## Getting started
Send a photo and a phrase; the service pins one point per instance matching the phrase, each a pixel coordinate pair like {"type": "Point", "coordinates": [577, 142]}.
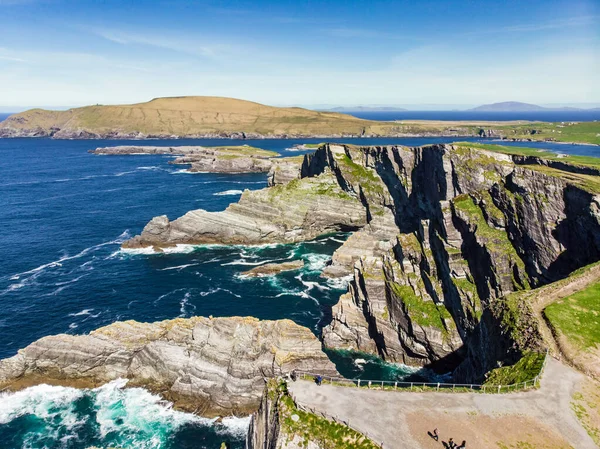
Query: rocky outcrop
{"type": "Point", "coordinates": [231, 159]}
{"type": "Point", "coordinates": [299, 210]}
{"type": "Point", "coordinates": [270, 269]}
{"type": "Point", "coordinates": [207, 365]}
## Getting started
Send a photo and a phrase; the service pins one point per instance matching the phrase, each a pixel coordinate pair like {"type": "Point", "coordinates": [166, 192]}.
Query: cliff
{"type": "Point", "coordinates": [211, 366]}
{"type": "Point", "coordinates": [280, 424]}
{"type": "Point", "coordinates": [443, 235]}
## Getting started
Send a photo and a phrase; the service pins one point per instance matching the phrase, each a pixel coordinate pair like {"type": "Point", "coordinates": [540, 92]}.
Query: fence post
{"type": "Point", "coordinates": [358, 383]}
{"type": "Point", "coordinates": [369, 384]}
{"type": "Point", "coordinates": [499, 386]}
{"type": "Point", "coordinates": [395, 385]}
{"type": "Point", "coordinates": [438, 386]}
{"type": "Point", "coordinates": [411, 385]}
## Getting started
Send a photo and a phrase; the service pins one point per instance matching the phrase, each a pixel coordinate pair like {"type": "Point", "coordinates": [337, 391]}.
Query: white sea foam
{"type": "Point", "coordinates": [28, 277]}
{"type": "Point", "coordinates": [316, 262]}
{"type": "Point", "coordinates": [44, 401]}
{"type": "Point", "coordinates": [180, 248]}
{"type": "Point", "coordinates": [233, 425]}
{"type": "Point", "coordinates": [184, 303]}
{"type": "Point", "coordinates": [229, 192]}
{"type": "Point", "coordinates": [340, 283]}
{"type": "Point", "coordinates": [179, 267]}
{"type": "Point", "coordinates": [218, 289]}
{"type": "Point", "coordinates": [244, 262]}
{"type": "Point", "coordinates": [310, 284]}
{"type": "Point", "coordinates": [82, 313]}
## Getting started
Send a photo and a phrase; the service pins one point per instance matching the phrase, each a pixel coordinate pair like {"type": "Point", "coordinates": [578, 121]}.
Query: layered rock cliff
{"type": "Point", "coordinates": [443, 234]}
{"type": "Point", "coordinates": [207, 365]}
{"type": "Point", "coordinates": [469, 227]}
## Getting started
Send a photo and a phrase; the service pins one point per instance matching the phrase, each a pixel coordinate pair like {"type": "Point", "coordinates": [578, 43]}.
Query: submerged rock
{"type": "Point", "coordinates": [211, 366]}
{"type": "Point", "coordinates": [273, 268]}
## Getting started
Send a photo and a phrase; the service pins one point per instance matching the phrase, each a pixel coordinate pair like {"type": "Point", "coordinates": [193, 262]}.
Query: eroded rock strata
{"type": "Point", "coordinates": [443, 235]}
{"type": "Point", "coordinates": [208, 365]}
{"type": "Point", "coordinates": [227, 159]}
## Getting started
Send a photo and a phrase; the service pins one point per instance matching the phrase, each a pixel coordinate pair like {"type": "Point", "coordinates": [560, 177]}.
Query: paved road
{"type": "Point", "coordinates": [380, 413]}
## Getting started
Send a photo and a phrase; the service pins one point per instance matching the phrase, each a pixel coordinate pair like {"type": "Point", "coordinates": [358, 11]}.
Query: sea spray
{"type": "Point", "coordinates": [108, 416]}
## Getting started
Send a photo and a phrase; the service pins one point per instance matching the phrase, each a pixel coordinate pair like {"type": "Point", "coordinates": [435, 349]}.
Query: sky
{"type": "Point", "coordinates": [63, 53]}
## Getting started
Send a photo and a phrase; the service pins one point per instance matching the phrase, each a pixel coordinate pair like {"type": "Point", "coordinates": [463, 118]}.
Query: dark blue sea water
{"type": "Point", "coordinates": [539, 116]}
{"type": "Point", "coordinates": [64, 213]}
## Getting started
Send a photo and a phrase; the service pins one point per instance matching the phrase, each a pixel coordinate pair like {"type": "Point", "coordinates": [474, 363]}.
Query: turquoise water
{"type": "Point", "coordinates": [64, 214]}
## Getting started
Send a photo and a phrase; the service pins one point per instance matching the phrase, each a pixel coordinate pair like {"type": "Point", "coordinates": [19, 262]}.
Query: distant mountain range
{"type": "Point", "coordinates": [366, 109]}
{"type": "Point", "coordinates": [516, 106]}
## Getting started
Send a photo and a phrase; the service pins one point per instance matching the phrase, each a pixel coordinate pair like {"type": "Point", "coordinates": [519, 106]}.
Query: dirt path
{"type": "Point", "coordinates": [542, 418]}
{"type": "Point", "coordinates": [545, 296]}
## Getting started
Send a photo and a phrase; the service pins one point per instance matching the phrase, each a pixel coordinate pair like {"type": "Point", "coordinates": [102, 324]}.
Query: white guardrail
{"type": "Point", "coordinates": [428, 386]}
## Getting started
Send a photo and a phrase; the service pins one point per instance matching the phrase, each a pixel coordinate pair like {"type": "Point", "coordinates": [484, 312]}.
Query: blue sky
{"type": "Point", "coordinates": [69, 52]}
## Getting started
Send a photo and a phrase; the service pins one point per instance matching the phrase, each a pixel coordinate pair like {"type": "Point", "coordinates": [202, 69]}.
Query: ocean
{"type": "Point", "coordinates": [65, 213]}
{"type": "Point", "coordinates": [535, 116]}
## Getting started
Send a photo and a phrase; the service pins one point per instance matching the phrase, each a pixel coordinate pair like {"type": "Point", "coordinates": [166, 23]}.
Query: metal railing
{"type": "Point", "coordinates": [389, 385]}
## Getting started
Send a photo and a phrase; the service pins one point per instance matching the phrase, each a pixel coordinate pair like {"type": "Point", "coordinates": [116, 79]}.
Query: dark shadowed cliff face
{"type": "Point", "coordinates": [451, 232]}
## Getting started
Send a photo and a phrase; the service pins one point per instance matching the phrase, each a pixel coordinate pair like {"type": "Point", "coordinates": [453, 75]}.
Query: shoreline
{"type": "Point", "coordinates": [239, 138]}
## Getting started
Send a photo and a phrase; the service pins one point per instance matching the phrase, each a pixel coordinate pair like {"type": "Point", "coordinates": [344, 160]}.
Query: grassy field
{"type": "Point", "coordinates": [577, 318]}
{"type": "Point", "coordinates": [587, 161]}
{"type": "Point", "coordinates": [244, 150]}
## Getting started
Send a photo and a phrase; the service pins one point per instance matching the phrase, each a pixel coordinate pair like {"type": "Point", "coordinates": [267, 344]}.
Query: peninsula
{"type": "Point", "coordinates": [217, 117]}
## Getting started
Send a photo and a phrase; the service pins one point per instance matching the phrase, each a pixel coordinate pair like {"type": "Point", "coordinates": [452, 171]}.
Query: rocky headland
{"type": "Point", "coordinates": [211, 366]}
{"type": "Point", "coordinates": [225, 159]}
{"type": "Point", "coordinates": [443, 235]}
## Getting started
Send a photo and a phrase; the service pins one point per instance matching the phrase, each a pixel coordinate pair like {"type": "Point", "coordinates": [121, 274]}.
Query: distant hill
{"type": "Point", "coordinates": [185, 116]}
{"type": "Point", "coordinates": [366, 109]}
{"type": "Point", "coordinates": [516, 106]}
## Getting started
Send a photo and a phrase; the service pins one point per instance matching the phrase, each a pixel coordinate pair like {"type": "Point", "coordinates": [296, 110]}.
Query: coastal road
{"type": "Point", "coordinates": [400, 420]}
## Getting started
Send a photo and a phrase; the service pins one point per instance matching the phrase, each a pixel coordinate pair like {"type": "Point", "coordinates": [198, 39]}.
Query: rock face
{"type": "Point", "coordinates": [208, 365]}
{"type": "Point", "coordinates": [443, 235]}
{"type": "Point", "coordinates": [299, 210]}
{"type": "Point", "coordinates": [274, 268]}
{"type": "Point", "coordinates": [232, 159]}
{"type": "Point", "coordinates": [451, 232]}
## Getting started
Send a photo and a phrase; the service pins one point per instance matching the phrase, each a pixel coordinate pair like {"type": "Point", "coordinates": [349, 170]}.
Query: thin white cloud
{"type": "Point", "coordinates": [568, 22]}
{"type": "Point", "coordinates": [181, 45]}
{"type": "Point", "coordinates": [13, 59]}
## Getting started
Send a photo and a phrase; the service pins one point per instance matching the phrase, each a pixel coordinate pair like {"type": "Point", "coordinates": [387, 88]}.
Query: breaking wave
{"type": "Point", "coordinates": [110, 415]}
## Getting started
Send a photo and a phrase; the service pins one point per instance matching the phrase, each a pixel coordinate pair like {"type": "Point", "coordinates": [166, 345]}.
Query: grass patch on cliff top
{"type": "Point", "coordinates": [589, 183]}
{"type": "Point", "coordinates": [587, 161]}
{"type": "Point", "coordinates": [309, 427]}
{"type": "Point", "coordinates": [577, 317]}
{"type": "Point", "coordinates": [525, 370]}
{"type": "Point", "coordinates": [244, 150]}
